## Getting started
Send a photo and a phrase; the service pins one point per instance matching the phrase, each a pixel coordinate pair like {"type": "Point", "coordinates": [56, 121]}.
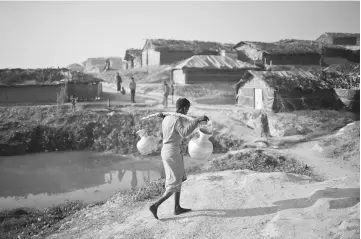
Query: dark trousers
{"type": "Point", "coordinates": [132, 96]}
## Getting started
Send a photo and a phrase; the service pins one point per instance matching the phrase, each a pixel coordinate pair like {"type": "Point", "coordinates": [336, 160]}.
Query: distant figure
{"type": "Point", "coordinates": [265, 131]}
{"type": "Point", "coordinates": [107, 65]}
{"type": "Point", "coordinates": [73, 102]}
{"type": "Point", "coordinates": [166, 94]}
{"type": "Point", "coordinates": [172, 90]}
{"type": "Point", "coordinates": [119, 82]}
{"type": "Point", "coordinates": [123, 90]}
{"type": "Point", "coordinates": [132, 86]}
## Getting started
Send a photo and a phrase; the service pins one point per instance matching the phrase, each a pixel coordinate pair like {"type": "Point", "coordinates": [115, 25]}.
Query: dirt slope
{"type": "Point", "coordinates": [237, 204]}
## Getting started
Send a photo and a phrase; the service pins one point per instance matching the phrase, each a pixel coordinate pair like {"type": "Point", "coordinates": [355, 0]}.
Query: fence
{"type": "Point", "coordinates": [29, 93]}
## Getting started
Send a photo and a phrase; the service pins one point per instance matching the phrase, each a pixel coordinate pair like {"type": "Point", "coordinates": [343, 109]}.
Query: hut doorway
{"type": "Point", "coordinates": [258, 103]}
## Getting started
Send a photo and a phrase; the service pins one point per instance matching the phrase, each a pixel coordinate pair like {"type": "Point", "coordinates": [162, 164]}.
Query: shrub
{"type": "Point", "coordinates": [256, 160]}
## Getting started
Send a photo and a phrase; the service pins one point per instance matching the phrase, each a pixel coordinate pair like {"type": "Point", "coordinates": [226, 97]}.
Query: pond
{"type": "Point", "coordinates": [44, 179]}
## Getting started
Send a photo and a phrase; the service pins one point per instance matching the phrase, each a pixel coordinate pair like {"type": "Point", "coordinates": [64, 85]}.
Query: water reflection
{"type": "Point", "coordinates": [41, 180]}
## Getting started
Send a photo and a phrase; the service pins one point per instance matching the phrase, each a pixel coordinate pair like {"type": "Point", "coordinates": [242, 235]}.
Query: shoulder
{"type": "Point", "coordinates": [172, 118]}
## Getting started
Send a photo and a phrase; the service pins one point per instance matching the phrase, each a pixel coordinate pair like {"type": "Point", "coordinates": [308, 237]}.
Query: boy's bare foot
{"type": "Point", "coordinates": [181, 210]}
{"type": "Point", "coordinates": [154, 209]}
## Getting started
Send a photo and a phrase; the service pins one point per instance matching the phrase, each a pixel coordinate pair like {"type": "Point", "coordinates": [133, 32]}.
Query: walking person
{"type": "Point", "coordinates": [173, 130]}
{"type": "Point", "coordinates": [172, 90]}
{"type": "Point", "coordinates": [132, 86]}
{"type": "Point", "coordinates": [118, 80]}
{"type": "Point", "coordinates": [166, 94]}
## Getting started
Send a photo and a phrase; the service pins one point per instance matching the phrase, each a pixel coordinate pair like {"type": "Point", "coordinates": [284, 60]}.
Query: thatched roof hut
{"type": "Point", "coordinates": [282, 47]}
{"type": "Point", "coordinates": [339, 38]}
{"type": "Point", "coordinates": [284, 90]}
{"type": "Point", "coordinates": [182, 45]}
{"type": "Point", "coordinates": [294, 52]}
{"type": "Point", "coordinates": [132, 53]}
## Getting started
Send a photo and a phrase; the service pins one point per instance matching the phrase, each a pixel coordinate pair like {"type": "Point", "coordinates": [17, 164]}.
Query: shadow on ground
{"type": "Point", "coordinates": [344, 197]}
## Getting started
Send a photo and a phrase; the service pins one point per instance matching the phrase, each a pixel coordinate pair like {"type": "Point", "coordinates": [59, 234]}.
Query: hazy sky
{"type": "Point", "coordinates": [44, 34]}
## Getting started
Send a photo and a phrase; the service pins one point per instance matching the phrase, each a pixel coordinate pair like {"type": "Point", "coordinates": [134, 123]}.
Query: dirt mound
{"type": "Point", "coordinates": [260, 160]}
{"type": "Point", "coordinates": [344, 145]}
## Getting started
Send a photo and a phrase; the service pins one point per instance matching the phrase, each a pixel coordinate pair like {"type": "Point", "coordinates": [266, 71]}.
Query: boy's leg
{"type": "Point", "coordinates": [154, 207]}
{"type": "Point", "coordinates": [177, 208]}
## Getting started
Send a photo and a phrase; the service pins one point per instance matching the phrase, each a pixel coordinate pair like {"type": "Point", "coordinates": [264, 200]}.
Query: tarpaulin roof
{"type": "Point", "coordinates": [214, 62]}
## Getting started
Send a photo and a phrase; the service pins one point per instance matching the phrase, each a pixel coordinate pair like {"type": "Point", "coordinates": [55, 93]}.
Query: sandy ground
{"type": "Point", "coordinates": [239, 204]}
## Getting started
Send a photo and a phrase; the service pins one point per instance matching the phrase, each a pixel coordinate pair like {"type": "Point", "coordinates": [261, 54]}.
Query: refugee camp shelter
{"type": "Point", "coordinates": [209, 69]}
{"type": "Point", "coordinates": [165, 52]}
{"type": "Point", "coordinates": [133, 58]}
{"type": "Point", "coordinates": [278, 53]}
{"type": "Point", "coordinates": [284, 90]}
{"type": "Point", "coordinates": [338, 38]}
{"type": "Point", "coordinates": [296, 52]}
{"type": "Point", "coordinates": [83, 86]}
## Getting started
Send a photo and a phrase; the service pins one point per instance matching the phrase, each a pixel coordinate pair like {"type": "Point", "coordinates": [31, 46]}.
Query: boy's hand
{"type": "Point", "coordinates": [161, 115]}
{"type": "Point", "coordinates": [203, 118]}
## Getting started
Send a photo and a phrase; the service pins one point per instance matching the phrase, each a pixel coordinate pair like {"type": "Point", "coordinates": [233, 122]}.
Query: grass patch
{"type": "Point", "coordinates": [28, 222]}
{"type": "Point", "coordinates": [150, 190]}
{"type": "Point", "coordinates": [256, 160]}
{"type": "Point", "coordinates": [315, 120]}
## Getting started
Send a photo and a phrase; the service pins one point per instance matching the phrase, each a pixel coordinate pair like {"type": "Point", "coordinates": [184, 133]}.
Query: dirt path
{"type": "Point", "coordinates": [235, 204]}
{"type": "Point", "coordinates": [310, 154]}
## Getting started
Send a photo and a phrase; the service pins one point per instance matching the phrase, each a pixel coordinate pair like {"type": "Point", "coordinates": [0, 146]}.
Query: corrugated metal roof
{"type": "Point", "coordinates": [214, 62]}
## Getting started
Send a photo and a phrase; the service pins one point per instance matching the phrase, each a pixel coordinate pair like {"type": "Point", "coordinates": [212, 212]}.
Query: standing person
{"type": "Point", "coordinates": [172, 90]}
{"type": "Point", "coordinates": [118, 79]}
{"type": "Point", "coordinates": [166, 94]}
{"type": "Point", "coordinates": [173, 130]}
{"type": "Point", "coordinates": [73, 102]}
{"type": "Point", "coordinates": [132, 86]}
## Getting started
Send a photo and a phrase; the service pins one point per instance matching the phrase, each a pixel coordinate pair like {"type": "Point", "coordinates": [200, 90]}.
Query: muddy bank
{"type": "Point", "coordinates": [31, 130]}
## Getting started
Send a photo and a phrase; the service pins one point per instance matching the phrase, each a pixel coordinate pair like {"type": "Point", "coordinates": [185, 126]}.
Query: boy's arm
{"type": "Point", "coordinates": [185, 131]}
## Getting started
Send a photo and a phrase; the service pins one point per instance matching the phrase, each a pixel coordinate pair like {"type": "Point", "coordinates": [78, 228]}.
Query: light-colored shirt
{"type": "Point", "coordinates": [173, 129]}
